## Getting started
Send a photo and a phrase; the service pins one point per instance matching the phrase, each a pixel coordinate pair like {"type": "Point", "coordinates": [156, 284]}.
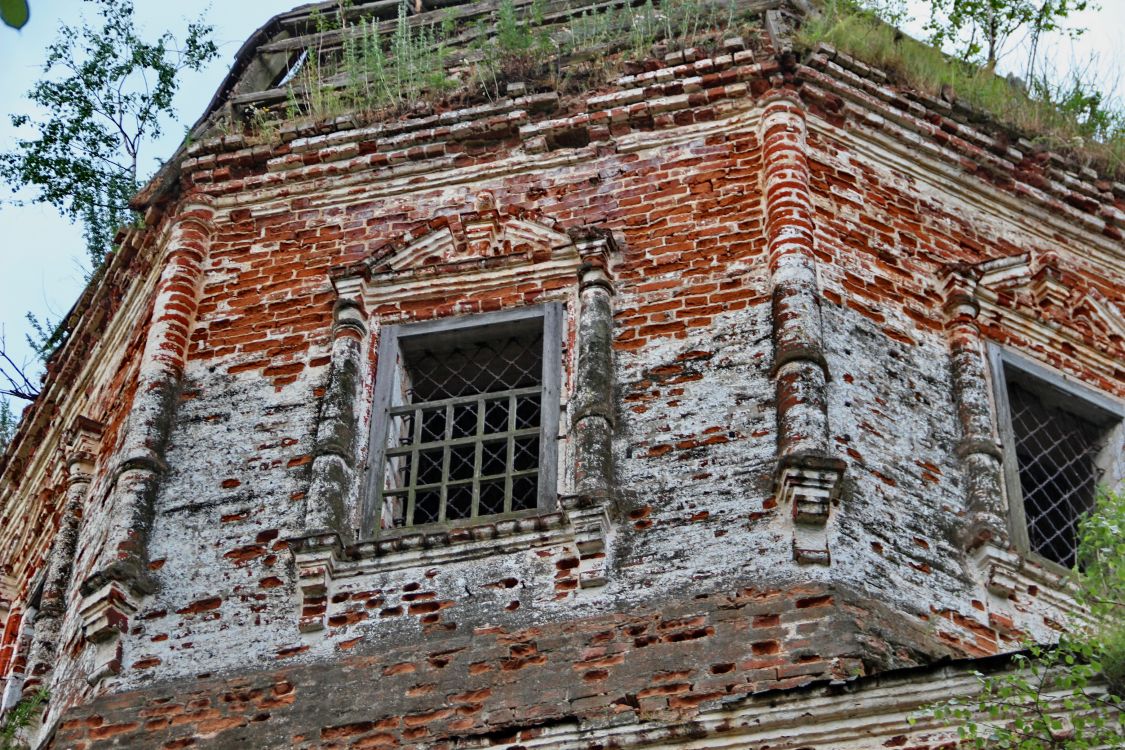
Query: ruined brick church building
{"type": "Point", "coordinates": [738, 398]}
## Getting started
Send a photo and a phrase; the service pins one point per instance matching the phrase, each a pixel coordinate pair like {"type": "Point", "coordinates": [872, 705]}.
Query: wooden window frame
{"type": "Point", "coordinates": [388, 370]}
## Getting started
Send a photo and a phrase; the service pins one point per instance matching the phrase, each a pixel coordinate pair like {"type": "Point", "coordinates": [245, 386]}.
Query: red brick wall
{"type": "Point", "coordinates": [503, 686]}
{"type": "Point", "coordinates": [703, 600]}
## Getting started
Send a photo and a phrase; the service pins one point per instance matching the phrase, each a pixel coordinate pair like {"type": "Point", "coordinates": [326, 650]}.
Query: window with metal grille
{"type": "Point", "coordinates": [1056, 453]}
{"type": "Point", "coordinates": [465, 421]}
{"type": "Point", "coordinates": [1060, 443]}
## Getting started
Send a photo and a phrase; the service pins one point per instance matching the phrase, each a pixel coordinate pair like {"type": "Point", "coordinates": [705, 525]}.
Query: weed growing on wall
{"type": "Point", "coordinates": [1101, 584]}
{"type": "Point", "coordinates": [593, 35]}
{"type": "Point", "coordinates": [369, 70]}
{"type": "Point", "coordinates": [519, 48]}
{"type": "Point", "coordinates": [8, 424]}
{"type": "Point", "coordinates": [20, 717]}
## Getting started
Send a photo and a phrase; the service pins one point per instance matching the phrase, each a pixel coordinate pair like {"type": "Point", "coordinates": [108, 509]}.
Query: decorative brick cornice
{"type": "Point", "coordinates": [1040, 295]}
{"type": "Point", "coordinates": [481, 248]}
{"type": "Point", "coordinates": [931, 132]}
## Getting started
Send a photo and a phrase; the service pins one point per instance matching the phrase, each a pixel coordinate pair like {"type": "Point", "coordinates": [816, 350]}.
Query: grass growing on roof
{"type": "Point", "coordinates": [377, 67]}
{"type": "Point", "coordinates": [1069, 116]}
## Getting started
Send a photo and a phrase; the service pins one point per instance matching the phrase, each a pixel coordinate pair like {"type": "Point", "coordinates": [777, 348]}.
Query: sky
{"type": "Point", "coordinates": [40, 252]}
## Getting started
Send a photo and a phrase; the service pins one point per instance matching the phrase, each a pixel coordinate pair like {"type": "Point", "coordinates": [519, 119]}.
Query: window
{"type": "Point", "coordinates": [1061, 441]}
{"type": "Point", "coordinates": [465, 419]}
{"type": "Point", "coordinates": [15, 647]}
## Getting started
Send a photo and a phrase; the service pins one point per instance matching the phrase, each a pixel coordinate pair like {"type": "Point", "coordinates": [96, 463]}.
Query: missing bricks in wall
{"type": "Point", "coordinates": [750, 300]}
{"type": "Point", "coordinates": [438, 423]}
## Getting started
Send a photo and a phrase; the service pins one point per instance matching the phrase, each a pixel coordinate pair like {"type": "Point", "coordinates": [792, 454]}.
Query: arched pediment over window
{"type": "Point", "coordinates": [481, 249]}
{"type": "Point", "coordinates": [1039, 295]}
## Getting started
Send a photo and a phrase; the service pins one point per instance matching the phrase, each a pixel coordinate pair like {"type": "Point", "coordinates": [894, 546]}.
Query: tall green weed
{"type": "Point", "coordinates": [372, 70]}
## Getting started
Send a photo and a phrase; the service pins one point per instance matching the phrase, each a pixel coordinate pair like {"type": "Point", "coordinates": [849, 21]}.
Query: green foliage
{"type": "Point", "coordinates": [8, 424]}
{"type": "Point", "coordinates": [14, 13]}
{"type": "Point", "coordinates": [375, 70]}
{"type": "Point", "coordinates": [1053, 698]}
{"type": "Point", "coordinates": [1068, 115]}
{"type": "Point", "coordinates": [379, 72]}
{"type": "Point", "coordinates": [19, 718]}
{"type": "Point", "coordinates": [108, 93]}
{"type": "Point", "coordinates": [513, 34]}
{"type": "Point", "coordinates": [520, 49]}
{"type": "Point", "coordinates": [1050, 700]}
{"type": "Point", "coordinates": [644, 29]}
{"type": "Point", "coordinates": [894, 12]}
{"type": "Point", "coordinates": [691, 21]}
{"type": "Point", "coordinates": [524, 49]}
{"type": "Point", "coordinates": [974, 27]}
{"type": "Point", "coordinates": [682, 23]}
{"type": "Point", "coordinates": [1100, 576]}
{"type": "Point", "coordinates": [45, 336]}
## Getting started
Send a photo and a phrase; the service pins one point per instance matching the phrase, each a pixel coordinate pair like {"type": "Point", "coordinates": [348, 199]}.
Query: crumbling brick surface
{"type": "Point", "coordinates": [699, 599]}
{"type": "Point", "coordinates": [491, 683]}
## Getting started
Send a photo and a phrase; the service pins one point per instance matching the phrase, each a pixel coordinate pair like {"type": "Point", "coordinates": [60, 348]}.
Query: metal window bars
{"type": "Point", "coordinates": [1056, 454]}
{"type": "Point", "coordinates": [460, 368]}
{"type": "Point", "coordinates": [466, 442]}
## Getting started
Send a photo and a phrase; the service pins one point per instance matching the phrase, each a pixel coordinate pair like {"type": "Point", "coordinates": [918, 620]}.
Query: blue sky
{"type": "Point", "coordinates": [39, 251]}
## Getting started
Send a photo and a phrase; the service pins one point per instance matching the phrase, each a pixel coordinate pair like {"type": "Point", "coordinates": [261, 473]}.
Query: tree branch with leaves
{"type": "Point", "coordinates": [8, 422]}
{"type": "Point", "coordinates": [108, 93]}
{"type": "Point", "coordinates": [979, 30]}
{"type": "Point", "coordinates": [1069, 695]}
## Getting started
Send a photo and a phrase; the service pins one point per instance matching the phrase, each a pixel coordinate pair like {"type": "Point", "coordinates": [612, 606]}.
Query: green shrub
{"type": "Point", "coordinates": [1067, 696]}
{"type": "Point", "coordinates": [1070, 116]}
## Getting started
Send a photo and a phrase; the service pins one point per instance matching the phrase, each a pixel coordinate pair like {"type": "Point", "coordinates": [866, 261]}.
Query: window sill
{"type": "Point", "coordinates": [321, 559]}
{"type": "Point", "coordinates": [406, 548]}
{"type": "Point", "coordinates": [1010, 574]}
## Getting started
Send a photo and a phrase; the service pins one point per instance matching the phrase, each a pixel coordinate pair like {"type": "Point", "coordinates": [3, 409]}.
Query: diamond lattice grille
{"type": "Point", "coordinates": [466, 443]}
{"type": "Point", "coordinates": [1055, 452]}
{"type": "Point", "coordinates": [475, 367]}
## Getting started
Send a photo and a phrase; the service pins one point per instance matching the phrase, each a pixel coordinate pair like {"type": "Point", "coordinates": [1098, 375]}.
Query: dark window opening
{"type": "Point", "coordinates": [466, 420]}
{"type": "Point", "coordinates": [1056, 453]}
